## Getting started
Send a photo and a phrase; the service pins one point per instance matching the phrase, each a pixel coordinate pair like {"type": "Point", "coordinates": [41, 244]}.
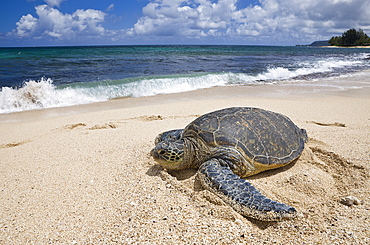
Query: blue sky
{"type": "Point", "coordinates": [125, 22]}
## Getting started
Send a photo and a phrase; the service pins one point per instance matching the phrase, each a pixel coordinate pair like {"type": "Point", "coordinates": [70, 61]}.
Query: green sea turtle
{"type": "Point", "coordinates": [229, 144]}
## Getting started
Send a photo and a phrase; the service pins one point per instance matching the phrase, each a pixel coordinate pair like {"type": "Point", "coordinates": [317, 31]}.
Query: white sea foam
{"type": "Point", "coordinates": [323, 66]}
{"type": "Point", "coordinates": [39, 94]}
{"type": "Point", "coordinates": [155, 86]}
{"type": "Point", "coordinates": [44, 94]}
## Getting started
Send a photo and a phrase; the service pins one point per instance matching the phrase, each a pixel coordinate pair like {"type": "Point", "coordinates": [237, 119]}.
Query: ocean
{"type": "Point", "coordinates": [45, 77]}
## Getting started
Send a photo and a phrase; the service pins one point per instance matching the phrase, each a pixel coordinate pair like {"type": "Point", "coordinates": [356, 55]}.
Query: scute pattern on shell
{"type": "Point", "coordinates": [233, 143]}
{"type": "Point", "coordinates": [266, 137]}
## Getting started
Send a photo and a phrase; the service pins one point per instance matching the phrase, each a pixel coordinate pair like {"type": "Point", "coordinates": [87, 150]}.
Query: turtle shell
{"type": "Point", "coordinates": [265, 137]}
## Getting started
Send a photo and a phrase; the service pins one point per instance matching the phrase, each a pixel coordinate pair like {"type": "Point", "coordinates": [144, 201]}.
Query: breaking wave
{"type": "Point", "coordinates": [44, 94]}
{"type": "Point", "coordinates": [40, 94]}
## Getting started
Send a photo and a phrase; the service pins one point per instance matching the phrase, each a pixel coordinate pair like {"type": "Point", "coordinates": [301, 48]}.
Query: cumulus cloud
{"type": "Point", "coordinates": [175, 17]}
{"type": "Point", "coordinates": [272, 19]}
{"type": "Point", "coordinates": [54, 3]}
{"type": "Point", "coordinates": [53, 23]}
{"type": "Point", "coordinates": [294, 17]}
{"type": "Point", "coordinates": [26, 25]}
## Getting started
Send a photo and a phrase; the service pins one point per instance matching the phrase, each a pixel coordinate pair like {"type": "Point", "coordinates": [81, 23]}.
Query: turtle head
{"type": "Point", "coordinates": [171, 136]}
{"type": "Point", "coordinates": [169, 154]}
{"type": "Point", "coordinates": [169, 149]}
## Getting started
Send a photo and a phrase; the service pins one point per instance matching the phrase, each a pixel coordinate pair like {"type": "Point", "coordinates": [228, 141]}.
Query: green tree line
{"type": "Point", "coordinates": [352, 37]}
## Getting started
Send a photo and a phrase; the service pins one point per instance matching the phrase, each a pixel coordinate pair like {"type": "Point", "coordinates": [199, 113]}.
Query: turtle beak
{"type": "Point", "coordinates": [156, 156]}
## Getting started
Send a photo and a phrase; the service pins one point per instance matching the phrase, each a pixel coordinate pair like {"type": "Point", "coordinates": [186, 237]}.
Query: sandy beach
{"type": "Point", "coordinates": [83, 174]}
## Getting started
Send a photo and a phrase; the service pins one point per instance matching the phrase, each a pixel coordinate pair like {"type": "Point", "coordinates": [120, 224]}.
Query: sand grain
{"type": "Point", "coordinates": [88, 178]}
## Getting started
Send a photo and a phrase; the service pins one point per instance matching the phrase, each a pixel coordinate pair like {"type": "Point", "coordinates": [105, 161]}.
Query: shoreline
{"type": "Point", "coordinates": [284, 90]}
{"type": "Point", "coordinates": [344, 46]}
{"type": "Point", "coordinates": [83, 174]}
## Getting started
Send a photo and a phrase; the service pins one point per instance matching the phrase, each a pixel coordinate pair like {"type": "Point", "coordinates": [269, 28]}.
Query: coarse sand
{"type": "Point", "coordinates": [83, 174]}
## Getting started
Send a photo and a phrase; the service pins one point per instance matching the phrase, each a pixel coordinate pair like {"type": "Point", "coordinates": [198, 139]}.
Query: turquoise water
{"type": "Point", "coordinates": [33, 78]}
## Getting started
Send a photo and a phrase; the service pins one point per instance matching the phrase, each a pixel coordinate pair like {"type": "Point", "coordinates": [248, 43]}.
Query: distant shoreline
{"type": "Point", "coordinates": [328, 46]}
{"type": "Point", "coordinates": [344, 46]}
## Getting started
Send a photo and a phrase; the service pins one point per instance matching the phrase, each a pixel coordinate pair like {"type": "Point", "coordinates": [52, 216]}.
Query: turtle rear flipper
{"type": "Point", "coordinates": [240, 194]}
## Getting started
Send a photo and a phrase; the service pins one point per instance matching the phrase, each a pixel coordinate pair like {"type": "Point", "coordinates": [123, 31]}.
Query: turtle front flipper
{"type": "Point", "coordinates": [216, 177]}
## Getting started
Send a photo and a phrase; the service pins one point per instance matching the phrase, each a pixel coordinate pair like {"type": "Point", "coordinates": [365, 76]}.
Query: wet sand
{"type": "Point", "coordinates": [83, 174]}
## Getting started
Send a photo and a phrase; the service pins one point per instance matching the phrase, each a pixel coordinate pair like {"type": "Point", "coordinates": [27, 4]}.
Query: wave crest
{"type": "Point", "coordinates": [44, 94]}
{"type": "Point", "coordinates": [39, 94]}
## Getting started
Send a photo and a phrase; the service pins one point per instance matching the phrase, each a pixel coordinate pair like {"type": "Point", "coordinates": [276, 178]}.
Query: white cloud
{"type": "Point", "coordinates": [110, 7]}
{"type": "Point", "coordinates": [200, 17]}
{"type": "Point", "coordinates": [269, 21]}
{"type": "Point", "coordinates": [277, 20]}
{"type": "Point", "coordinates": [26, 25]}
{"type": "Point", "coordinates": [52, 23]}
{"type": "Point", "coordinates": [54, 3]}
{"type": "Point", "coordinates": [314, 14]}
